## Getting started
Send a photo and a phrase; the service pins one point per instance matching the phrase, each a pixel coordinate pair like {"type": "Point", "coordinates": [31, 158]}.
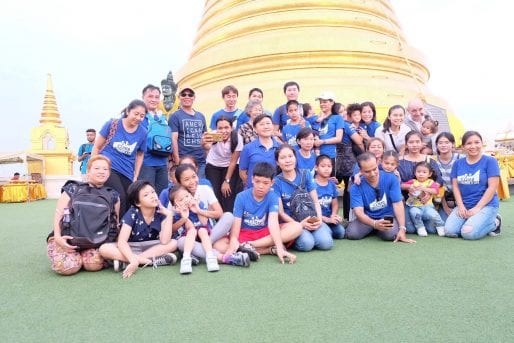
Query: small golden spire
{"type": "Point", "coordinates": [50, 113]}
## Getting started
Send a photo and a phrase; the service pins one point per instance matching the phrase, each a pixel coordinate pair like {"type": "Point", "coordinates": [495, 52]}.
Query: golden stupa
{"type": "Point", "coordinates": [353, 48]}
{"type": "Point", "coordinates": [50, 139]}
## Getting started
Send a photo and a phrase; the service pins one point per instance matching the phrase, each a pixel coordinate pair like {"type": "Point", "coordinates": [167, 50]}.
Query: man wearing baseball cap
{"type": "Point", "coordinates": [187, 127]}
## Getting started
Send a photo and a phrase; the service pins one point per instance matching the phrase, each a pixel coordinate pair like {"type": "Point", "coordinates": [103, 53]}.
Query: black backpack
{"type": "Point", "coordinates": [301, 203]}
{"type": "Point", "coordinates": [92, 220]}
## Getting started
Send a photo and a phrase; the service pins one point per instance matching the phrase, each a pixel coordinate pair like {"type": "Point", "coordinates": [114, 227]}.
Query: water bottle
{"type": "Point", "coordinates": [66, 218]}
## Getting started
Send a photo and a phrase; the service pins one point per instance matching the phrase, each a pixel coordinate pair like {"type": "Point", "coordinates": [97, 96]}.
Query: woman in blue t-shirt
{"type": "Point", "coordinates": [123, 141]}
{"type": "Point", "coordinates": [475, 180]}
{"type": "Point", "coordinates": [315, 234]}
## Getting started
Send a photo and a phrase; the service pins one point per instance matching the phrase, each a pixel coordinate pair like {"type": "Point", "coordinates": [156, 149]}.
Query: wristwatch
{"type": "Point", "coordinates": [227, 180]}
{"type": "Point", "coordinates": [402, 227]}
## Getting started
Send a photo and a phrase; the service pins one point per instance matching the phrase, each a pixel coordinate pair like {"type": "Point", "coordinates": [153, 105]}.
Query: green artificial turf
{"type": "Point", "coordinates": [437, 290]}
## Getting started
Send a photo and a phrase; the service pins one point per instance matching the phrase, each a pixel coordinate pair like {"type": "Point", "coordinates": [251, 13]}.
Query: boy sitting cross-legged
{"type": "Point", "coordinates": [255, 224]}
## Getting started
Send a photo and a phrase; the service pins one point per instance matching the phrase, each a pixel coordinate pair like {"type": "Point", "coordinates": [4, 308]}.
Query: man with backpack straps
{"type": "Point", "coordinates": [158, 145]}
{"type": "Point", "coordinates": [85, 152]}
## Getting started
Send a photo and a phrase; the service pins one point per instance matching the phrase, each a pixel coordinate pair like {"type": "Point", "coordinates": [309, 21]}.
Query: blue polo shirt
{"type": "Point", "coordinates": [327, 130]}
{"type": "Point", "coordinates": [377, 204]}
{"type": "Point", "coordinates": [253, 153]}
{"type": "Point", "coordinates": [325, 196]}
{"type": "Point", "coordinates": [473, 179]}
{"type": "Point", "coordinates": [284, 189]}
{"type": "Point", "coordinates": [150, 159]}
{"type": "Point", "coordinates": [142, 231]}
{"type": "Point", "coordinates": [372, 127]}
{"type": "Point", "coordinates": [253, 213]}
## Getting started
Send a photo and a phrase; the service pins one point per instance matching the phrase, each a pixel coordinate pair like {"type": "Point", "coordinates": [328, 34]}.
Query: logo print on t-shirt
{"type": "Point", "coordinates": [325, 201]}
{"type": "Point", "coordinates": [124, 147]}
{"type": "Point", "coordinates": [469, 179]}
{"type": "Point", "coordinates": [193, 131]}
{"type": "Point", "coordinates": [378, 204]}
{"type": "Point", "coordinates": [254, 220]}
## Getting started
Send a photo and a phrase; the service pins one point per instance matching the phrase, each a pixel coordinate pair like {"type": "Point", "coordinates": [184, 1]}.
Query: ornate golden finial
{"type": "Point", "coordinates": [50, 113]}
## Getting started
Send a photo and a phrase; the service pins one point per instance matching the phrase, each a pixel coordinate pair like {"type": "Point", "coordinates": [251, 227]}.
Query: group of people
{"type": "Point", "coordinates": [261, 183]}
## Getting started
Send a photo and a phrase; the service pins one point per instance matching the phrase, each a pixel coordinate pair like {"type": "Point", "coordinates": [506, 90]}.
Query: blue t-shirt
{"type": "Point", "coordinates": [141, 231]}
{"type": "Point", "coordinates": [290, 131]}
{"type": "Point", "coordinates": [349, 130]}
{"type": "Point", "coordinates": [190, 129]}
{"type": "Point", "coordinates": [253, 153]}
{"type": "Point", "coordinates": [377, 202]}
{"type": "Point", "coordinates": [253, 213]}
{"type": "Point", "coordinates": [123, 147]}
{"type": "Point", "coordinates": [327, 130]}
{"type": "Point", "coordinates": [284, 189]}
{"type": "Point", "coordinates": [152, 160]}
{"type": "Point", "coordinates": [372, 127]}
{"type": "Point", "coordinates": [305, 163]}
{"type": "Point", "coordinates": [325, 196]}
{"type": "Point", "coordinates": [472, 179]}
{"type": "Point", "coordinates": [280, 116]}
{"type": "Point", "coordinates": [314, 124]}
{"type": "Point", "coordinates": [242, 119]}
{"type": "Point", "coordinates": [222, 112]}
{"type": "Point", "coordinates": [87, 147]}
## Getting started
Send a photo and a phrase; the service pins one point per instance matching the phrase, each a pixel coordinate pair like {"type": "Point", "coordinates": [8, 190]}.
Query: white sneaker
{"type": "Point", "coordinates": [422, 232]}
{"type": "Point", "coordinates": [212, 263]}
{"type": "Point", "coordinates": [185, 266]}
{"type": "Point", "coordinates": [440, 231]}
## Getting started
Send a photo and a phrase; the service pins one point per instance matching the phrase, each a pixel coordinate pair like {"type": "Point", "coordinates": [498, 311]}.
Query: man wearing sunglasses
{"type": "Point", "coordinates": [377, 204]}
{"type": "Point", "coordinates": [187, 128]}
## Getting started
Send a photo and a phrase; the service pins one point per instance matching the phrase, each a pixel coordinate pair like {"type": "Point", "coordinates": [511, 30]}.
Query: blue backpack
{"type": "Point", "coordinates": [158, 139]}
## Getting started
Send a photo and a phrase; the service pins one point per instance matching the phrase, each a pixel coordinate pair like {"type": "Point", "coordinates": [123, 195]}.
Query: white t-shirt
{"type": "Point", "coordinates": [219, 155]}
{"type": "Point", "coordinates": [398, 138]}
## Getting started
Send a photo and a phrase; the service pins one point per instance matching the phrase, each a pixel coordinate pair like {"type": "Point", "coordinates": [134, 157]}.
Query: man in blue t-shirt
{"type": "Point", "coordinates": [155, 167]}
{"type": "Point", "coordinates": [188, 127]}
{"type": "Point", "coordinates": [280, 117]}
{"type": "Point", "coordinates": [256, 219]}
{"type": "Point", "coordinates": [229, 94]}
{"type": "Point", "coordinates": [85, 152]}
{"type": "Point", "coordinates": [377, 204]}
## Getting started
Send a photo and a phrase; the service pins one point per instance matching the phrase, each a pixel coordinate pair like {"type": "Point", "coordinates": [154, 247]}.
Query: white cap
{"type": "Point", "coordinates": [326, 95]}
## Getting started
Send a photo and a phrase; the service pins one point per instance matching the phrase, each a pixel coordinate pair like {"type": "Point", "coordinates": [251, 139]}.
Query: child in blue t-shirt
{"type": "Point", "coordinates": [193, 225]}
{"type": "Point", "coordinates": [256, 224]}
{"type": "Point", "coordinates": [294, 124]}
{"type": "Point", "coordinates": [327, 196]}
{"type": "Point", "coordinates": [306, 158]}
{"type": "Point", "coordinates": [145, 232]}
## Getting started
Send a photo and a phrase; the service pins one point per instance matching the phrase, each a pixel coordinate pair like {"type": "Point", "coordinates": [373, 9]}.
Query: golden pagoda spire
{"type": "Point", "coordinates": [50, 113]}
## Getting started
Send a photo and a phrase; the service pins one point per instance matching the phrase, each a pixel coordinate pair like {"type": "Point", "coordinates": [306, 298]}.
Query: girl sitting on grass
{"type": "Point", "coordinates": [145, 235]}
{"type": "Point", "coordinates": [191, 225]}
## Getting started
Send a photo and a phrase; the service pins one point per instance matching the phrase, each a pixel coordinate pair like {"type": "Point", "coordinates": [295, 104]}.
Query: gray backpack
{"type": "Point", "coordinates": [301, 204]}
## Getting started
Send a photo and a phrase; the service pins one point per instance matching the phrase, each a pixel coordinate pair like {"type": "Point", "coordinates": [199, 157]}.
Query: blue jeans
{"type": "Point", "coordinates": [475, 227]}
{"type": "Point", "coordinates": [319, 239]}
{"type": "Point", "coordinates": [409, 224]}
{"type": "Point", "coordinates": [426, 212]}
{"type": "Point", "coordinates": [201, 170]}
{"type": "Point", "coordinates": [338, 230]}
{"type": "Point", "coordinates": [156, 175]}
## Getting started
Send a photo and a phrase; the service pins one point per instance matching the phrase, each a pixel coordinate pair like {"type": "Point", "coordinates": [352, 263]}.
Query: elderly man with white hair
{"type": "Point", "coordinates": [416, 114]}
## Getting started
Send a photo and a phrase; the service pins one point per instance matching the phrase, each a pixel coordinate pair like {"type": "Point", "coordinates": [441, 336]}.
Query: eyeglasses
{"type": "Point", "coordinates": [187, 95]}
{"type": "Point", "coordinates": [377, 194]}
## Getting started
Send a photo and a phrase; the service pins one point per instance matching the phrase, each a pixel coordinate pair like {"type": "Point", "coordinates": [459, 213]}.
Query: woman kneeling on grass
{"type": "Point", "coordinates": [66, 258]}
{"type": "Point", "coordinates": [475, 180]}
{"type": "Point", "coordinates": [145, 236]}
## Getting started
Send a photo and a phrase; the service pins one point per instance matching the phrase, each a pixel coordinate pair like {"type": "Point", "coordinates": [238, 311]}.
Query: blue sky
{"type": "Point", "coordinates": [101, 53]}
